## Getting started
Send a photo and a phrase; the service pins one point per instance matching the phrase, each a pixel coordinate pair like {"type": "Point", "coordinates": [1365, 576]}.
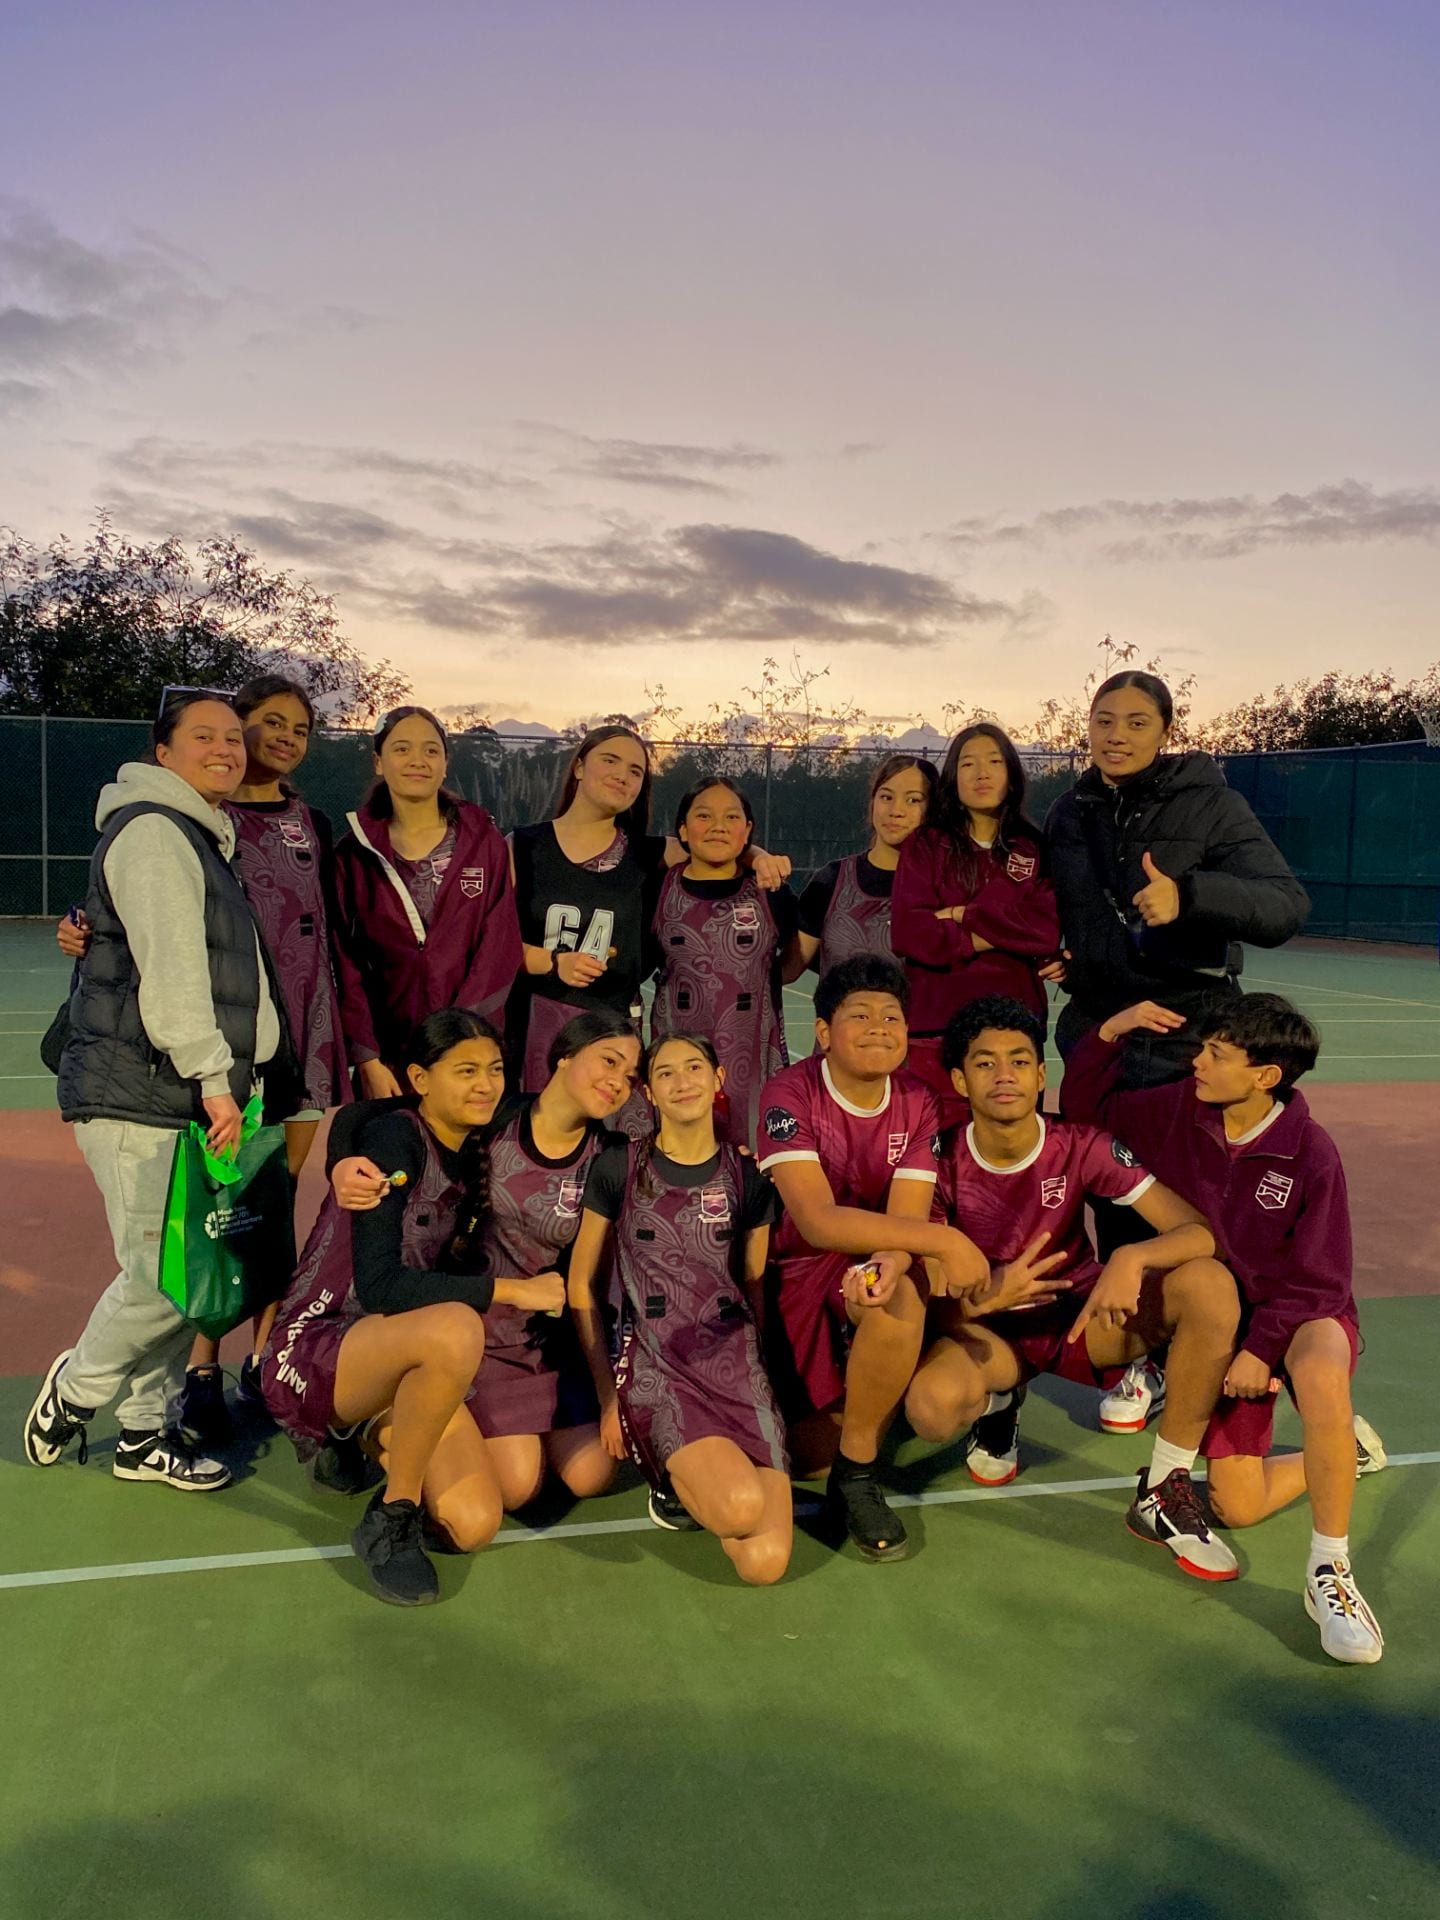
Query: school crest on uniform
{"type": "Point", "coordinates": [1274, 1190]}
{"type": "Point", "coordinates": [1021, 866]}
{"type": "Point", "coordinates": [567, 1200]}
{"type": "Point", "coordinates": [780, 1123]}
{"type": "Point", "coordinates": [293, 833]}
{"type": "Point", "coordinates": [1052, 1191]}
{"type": "Point", "coordinates": [746, 917]}
{"type": "Point", "coordinates": [895, 1148]}
{"type": "Point", "coordinates": [714, 1202]}
{"type": "Point", "coordinates": [472, 882]}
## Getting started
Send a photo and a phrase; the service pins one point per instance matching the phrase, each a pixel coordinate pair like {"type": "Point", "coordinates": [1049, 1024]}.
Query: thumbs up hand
{"type": "Point", "coordinates": [1158, 903]}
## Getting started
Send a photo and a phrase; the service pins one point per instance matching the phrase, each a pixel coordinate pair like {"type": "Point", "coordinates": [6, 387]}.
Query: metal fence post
{"type": "Point", "coordinates": [44, 818]}
{"type": "Point", "coordinates": [1350, 840]}
{"type": "Point", "coordinates": [769, 758]}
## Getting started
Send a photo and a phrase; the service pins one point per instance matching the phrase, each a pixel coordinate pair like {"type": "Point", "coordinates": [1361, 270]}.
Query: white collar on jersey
{"type": "Point", "coordinates": [1244, 1139]}
{"type": "Point", "coordinates": [860, 1113]}
{"type": "Point", "coordinates": [1020, 1165]}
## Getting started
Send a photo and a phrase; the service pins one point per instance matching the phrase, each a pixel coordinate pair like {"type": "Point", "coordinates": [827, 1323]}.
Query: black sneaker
{"type": "Point", "coordinates": [247, 1388]}
{"type": "Point", "coordinates": [856, 1501]}
{"type": "Point", "coordinates": [201, 1413]}
{"type": "Point", "coordinates": [389, 1543]}
{"type": "Point", "coordinates": [52, 1423]}
{"type": "Point", "coordinates": [1172, 1516]}
{"type": "Point", "coordinates": [342, 1464]}
{"type": "Point", "coordinates": [668, 1510]}
{"type": "Point", "coordinates": [992, 1453]}
{"type": "Point", "coordinates": [167, 1456]}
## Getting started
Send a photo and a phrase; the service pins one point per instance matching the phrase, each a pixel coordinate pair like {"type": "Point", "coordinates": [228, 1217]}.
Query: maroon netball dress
{"type": "Point", "coordinates": [847, 908]}
{"type": "Point", "coordinates": [690, 1366]}
{"type": "Point", "coordinates": [533, 1378]}
{"type": "Point", "coordinates": [718, 943]}
{"type": "Point", "coordinates": [355, 1263]}
{"type": "Point", "coordinates": [282, 855]}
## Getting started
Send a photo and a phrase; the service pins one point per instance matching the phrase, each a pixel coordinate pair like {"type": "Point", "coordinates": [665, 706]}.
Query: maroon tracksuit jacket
{"type": "Point", "coordinates": [1276, 1204]}
{"type": "Point", "coordinates": [392, 968]}
{"type": "Point", "coordinates": [1007, 901]}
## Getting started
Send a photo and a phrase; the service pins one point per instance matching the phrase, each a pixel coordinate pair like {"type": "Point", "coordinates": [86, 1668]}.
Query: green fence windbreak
{"type": "Point", "coordinates": [1360, 826]}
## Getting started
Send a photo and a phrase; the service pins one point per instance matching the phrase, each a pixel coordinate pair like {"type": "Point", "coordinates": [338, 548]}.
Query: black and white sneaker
{"type": "Point", "coordinates": [200, 1412]}
{"type": "Point", "coordinates": [170, 1457]}
{"type": "Point", "coordinates": [668, 1510]}
{"type": "Point", "coordinates": [390, 1544]}
{"type": "Point", "coordinates": [52, 1423]}
{"type": "Point", "coordinates": [856, 1502]}
{"type": "Point", "coordinates": [343, 1466]}
{"type": "Point", "coordinates": [992, 1453]}
{"type": "Point", "coordinates": [1171, 1516]}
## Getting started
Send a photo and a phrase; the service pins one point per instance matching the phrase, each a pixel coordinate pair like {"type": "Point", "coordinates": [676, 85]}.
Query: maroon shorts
{"type": "Point", "coordinates": [1247, 1427]}
{"type": "Point", "coordinates": [808, 1332]}
{"type": "Point", "coordinates": [533, 1378]}
{"type": "Point", "coordinates": [1040, 1344]}
{"type": "Point", "coordinates": [923, 1060]}
{"type": "Point", "coordinates": [297, 1378]}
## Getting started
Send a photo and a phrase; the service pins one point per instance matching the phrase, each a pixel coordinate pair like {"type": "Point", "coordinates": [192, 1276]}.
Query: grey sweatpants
{"type": "Point", "coordinates": [134, 1335]}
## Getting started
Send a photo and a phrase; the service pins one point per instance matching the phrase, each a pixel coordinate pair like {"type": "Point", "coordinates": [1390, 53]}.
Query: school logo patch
{"type": "Point", "coordinates": [1274, 1190]}
{"type": "Point", "coordinates": [567, 1201]}
{"type": "Point", "coordinates": [1052, 1191]}
{"type": "Point", "coordinates": [895, 1148]}
{"type": "Point", "coordinates": [746, 917]}
{"type": "Point", "coordinates": [714, 1203]}
{"type": "Point", "coordinates": [780, 1123]}
{"type": "Point", "coordinates": [472, 882]}
{"type": "Point", "coordinates": [1121, 1154]}
{"type": "Point", "coordinates": [293, 833]}
{"type": "Point", "coordinates": [1021, 866]}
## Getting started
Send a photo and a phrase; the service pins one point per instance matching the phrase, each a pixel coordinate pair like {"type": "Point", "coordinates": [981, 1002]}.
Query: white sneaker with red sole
{"type": "Point", "coordinates": [1136, 1399]}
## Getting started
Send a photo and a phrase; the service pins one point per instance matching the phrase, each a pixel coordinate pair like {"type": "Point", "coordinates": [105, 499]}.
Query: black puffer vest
{"type": "Point", "coordinates": [109, 1069]}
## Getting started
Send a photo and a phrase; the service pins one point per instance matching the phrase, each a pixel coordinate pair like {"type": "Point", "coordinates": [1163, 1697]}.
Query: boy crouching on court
{"type": "Point", "coordinates": [1239, 1144]}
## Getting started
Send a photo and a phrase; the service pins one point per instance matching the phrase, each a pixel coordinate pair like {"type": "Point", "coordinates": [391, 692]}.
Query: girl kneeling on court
{"type": "Point", "coordinates": [383, 1320]}
{"type": "Point", "coordinates": [532, 1398]}
{"type": "Point", "coordinates": [690, 1224]}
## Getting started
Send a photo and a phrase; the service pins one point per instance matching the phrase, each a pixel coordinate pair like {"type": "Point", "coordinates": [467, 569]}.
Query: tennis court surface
{"type": "Point", "coordinates": [206, 1713]}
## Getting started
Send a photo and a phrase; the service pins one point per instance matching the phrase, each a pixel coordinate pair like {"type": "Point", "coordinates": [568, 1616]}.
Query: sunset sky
{"type": "Point", "coordinates": [578, 348]}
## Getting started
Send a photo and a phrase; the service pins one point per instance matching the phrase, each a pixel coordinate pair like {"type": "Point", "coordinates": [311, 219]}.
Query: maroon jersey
{"type": "Point", "coordinates": [690, 1365]}
{"type": "Point", "coordinates": [320, 1306]}
{"type": "Point", "coordinates": [718, 978]}
{"type": "Point", "coordinates": [1002, 1209]}
{"type": "Point", "coordinates": [533, 1378]}
{"type": "Point", "coordinates": [280, 855]}
{"type": "Point", "coordinates": [856, 920]}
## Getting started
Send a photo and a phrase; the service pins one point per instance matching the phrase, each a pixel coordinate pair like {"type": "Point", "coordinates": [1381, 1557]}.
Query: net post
{"type": "Point", "coordinates": [44, 816]}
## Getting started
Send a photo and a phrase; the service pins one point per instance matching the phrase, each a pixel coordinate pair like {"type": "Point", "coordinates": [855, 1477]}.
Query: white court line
{"type": "Point", "coordinates": [25, 1076]}
{"type": "Point", "coordinates": [1341, 993]}
{"type": "Point", "coordinates": [512, 1536]}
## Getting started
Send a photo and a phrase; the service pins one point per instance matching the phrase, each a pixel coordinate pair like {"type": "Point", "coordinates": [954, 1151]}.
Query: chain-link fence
{"type": "Point", "coordinates": [1360, 826]}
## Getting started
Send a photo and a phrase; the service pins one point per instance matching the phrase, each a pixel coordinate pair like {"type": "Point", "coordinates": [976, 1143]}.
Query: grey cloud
{"type": "Point", "coordinates": [68, 310]}
{"type": "Point", "coordinates": [1224, 526]}
{"type": "Point", "coordinates": [451, 485]}
{"type": "Point", "coordinates": [674, 466]}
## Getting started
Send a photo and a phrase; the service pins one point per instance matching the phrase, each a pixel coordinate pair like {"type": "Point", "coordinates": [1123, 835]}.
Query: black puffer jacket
{"type": "Point", "coordinates": [1234, 885]}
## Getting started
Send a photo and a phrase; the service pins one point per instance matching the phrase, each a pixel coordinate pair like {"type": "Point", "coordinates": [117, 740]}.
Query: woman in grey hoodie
{"type": "Point", "coordinates": [172, 1019]}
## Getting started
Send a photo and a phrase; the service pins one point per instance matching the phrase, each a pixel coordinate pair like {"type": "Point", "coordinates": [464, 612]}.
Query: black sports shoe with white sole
{"type": "Point", "coordinates": [390, 1544]}
{"type": "Point", "coordinates": [856, 1502]}
{"type": "Point", "coordinates": [343, 1466]}
{"type": "Point", "coordinates": [52, 1423]}
{"type": "Point", "coordinates": [992, 1453]}
{"type": "Point", "coordinates": [668, 1510]}
{"type": "Point", "coordinates": [168, 1457]}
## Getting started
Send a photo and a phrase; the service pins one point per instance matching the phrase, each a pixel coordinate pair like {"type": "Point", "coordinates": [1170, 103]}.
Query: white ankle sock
{"type": "Point", "coordinates": [1326, 1549]}
{"type": "Point", "coordinates": [998, 1402]}
{"type": "Point", "coordinates": [1167, 1460]}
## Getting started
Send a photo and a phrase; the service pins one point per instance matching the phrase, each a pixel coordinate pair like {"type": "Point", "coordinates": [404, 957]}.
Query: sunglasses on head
{"type": "Point", "coordinates": [171, 694]}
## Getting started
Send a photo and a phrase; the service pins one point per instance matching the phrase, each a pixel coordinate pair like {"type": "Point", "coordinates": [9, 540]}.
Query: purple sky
{"type": "Point", "coordinates": [580, 348]}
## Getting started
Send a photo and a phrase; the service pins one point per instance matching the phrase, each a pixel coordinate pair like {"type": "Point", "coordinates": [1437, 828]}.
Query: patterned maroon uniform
{"type": "Point", "coordinates": [857, 912]}
{"type": "Point", "coordinates": [298, 1370]}
{"type": "Point", "coordinates": [718, 978]}
{"type": "Point", "coordinates": [533, 1378]}
{"type": "Point", "coordinates": [281, 855]}
{"type": "Point", "coordinates": [860, 1152]}
{"type": "Point", "coordinates": [1002, 1209]}
{"type": "Point", "coordinates": [690, 1366]}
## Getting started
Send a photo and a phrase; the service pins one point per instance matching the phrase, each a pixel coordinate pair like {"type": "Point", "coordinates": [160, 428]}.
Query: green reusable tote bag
{"type": "Point", "coordinates": [228, 1248]}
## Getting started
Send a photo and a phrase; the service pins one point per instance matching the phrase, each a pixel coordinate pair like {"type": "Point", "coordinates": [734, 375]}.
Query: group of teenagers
{"type": "Point", "coordinates": [547, 1246]}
